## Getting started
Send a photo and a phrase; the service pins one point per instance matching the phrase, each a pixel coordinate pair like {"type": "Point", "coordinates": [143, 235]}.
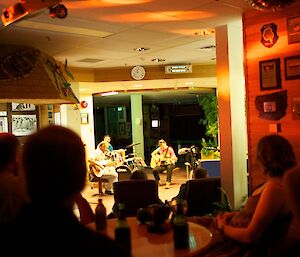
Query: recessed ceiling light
{"type": "Point", "coordinates": [109, 93]}
{"type": "Point", "coordinates": [158, 60]}
{"type": "Point", "coordinates": [206, 48]}
{"type": "Point", "coordinates": [138, 85]}
{"type": "Point", "coordinates": [90, 60]}
{"type": "Point", "coordinates": [189, 83]}
{"type": "Point", "coordinates": [141, 49]}
{"type": "Point", "coordinates": [205, 32]}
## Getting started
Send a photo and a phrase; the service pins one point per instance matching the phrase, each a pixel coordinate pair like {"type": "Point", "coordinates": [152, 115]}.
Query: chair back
{"type": "Point", "coordinates": [86, 213]}
{"type": "Point", "coordinates": [136, 194]}
{"type": "Point", "coordinates": [212, 166]}
{"type": "Point", "coordinates": [200, 195]}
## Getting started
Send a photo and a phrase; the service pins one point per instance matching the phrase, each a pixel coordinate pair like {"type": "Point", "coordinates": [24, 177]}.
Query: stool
{"type": "Point", "coordinates": [100, 186]}
{"type": "Point", "coordinates": [189, 170]}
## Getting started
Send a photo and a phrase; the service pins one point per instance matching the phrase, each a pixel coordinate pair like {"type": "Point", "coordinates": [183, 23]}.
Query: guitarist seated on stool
{"type": "Point", "coordinates": [103, 167]}
{"type": "Point", "coordinates": [163, 158]}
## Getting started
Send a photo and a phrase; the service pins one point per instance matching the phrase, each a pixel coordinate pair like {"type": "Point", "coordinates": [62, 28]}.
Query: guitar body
{"type": "Point", "coordinates": [98, 168]}
{"type": "Point", "coordinates": [155, 161]}
{"type": "Point", "coordinates": [158, 160]}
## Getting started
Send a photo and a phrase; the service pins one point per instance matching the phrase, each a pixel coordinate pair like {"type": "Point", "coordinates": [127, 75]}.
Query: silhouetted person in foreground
{"type": "Point", "coordinates": [55, 172]}
{"type": "Point", "coordinates": [12, 186]}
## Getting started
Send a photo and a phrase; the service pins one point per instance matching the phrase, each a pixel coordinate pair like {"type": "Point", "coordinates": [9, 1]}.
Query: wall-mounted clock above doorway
{"type": "Point", "coordinates": [138, 72]}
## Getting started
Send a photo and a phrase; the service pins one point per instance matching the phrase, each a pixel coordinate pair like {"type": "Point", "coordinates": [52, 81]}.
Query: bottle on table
{"type": "Point", "coordinates": [100, 216]}
{"type": "Point", "coordinates": [122, 230]}
{"type": "Point", "coordinates": [180, 228]}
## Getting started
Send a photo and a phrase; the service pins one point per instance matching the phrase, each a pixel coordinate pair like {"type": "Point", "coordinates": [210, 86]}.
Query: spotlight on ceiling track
{"type": "Point", "coordinates": [269, 5]}
{"type": "Point", "coordinates": [58, 11]}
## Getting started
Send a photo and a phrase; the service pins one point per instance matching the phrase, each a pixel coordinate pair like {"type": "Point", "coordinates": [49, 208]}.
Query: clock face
{"type": "Point", "coordinates": [138, 72]}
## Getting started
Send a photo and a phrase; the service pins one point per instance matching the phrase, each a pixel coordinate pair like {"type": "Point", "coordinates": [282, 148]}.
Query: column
{"type": "Point", "coordinates": [137, 124]}
{"type": "Point", "coordinates": [232, 113]}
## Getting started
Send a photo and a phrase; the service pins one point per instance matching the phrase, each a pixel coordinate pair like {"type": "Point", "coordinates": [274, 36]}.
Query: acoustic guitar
{"type": "Point", "coordinates": [159, 160]}
{"type": "Point", "coordinates": [98, 168]}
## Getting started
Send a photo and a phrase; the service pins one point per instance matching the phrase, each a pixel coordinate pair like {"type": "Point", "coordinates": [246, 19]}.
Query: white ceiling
{"type": "Point", "coordinates": [167, 27]}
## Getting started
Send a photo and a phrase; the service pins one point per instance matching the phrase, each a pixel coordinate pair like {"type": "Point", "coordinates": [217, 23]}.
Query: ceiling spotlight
{"type": "Point", "coordinates": [158, 60]}
{"type": "Point", "coordinates": [141, 49]}
{"type": "Point", "coordinates": [205, 32]}
{"type": "Point", "coordinates": [269, 5]}
{"type": "Point", "coordinates": [109, 93]}
{"type": "Point", "coordinates": [207, 47]}
{"type": "Point", "coordinates": [58, 11]}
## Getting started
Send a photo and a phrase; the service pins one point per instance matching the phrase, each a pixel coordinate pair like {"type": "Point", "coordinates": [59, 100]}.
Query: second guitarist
{"type": "Point", "coordinates": [163, 158]}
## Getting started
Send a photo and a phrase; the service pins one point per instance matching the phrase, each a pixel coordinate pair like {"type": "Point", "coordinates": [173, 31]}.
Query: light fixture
{"type": "Point", "coordinates": [109, 93]}
{"type": "Point", "coordinates": [207, 47]}
{"type": "Point", "coordinates": [58, 11]}
{"type": "Point", "coordinates": [205, 32]}
{"type": "Point", "coordinates": [141, 49]}
{"type": "Point", "coordinates": [138, 85]}
{"type": "Point", "coordinates": [189, 83]}
{"type": "Point", "coordinates": [269, 5]}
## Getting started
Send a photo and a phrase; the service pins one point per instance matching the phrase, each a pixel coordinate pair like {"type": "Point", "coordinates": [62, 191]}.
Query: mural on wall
{"type": "Point", "coordinates": [272, 106]}
{"type": "Point", "coordinates": [269, 35]}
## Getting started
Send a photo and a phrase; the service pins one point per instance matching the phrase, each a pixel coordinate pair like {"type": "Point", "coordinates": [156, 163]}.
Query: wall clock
{"type": "Point", "coordinates": [138, 72]}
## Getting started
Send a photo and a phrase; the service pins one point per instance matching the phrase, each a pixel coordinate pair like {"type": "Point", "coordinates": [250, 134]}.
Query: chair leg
{"type": "Point", "coordinates": [100, 190]}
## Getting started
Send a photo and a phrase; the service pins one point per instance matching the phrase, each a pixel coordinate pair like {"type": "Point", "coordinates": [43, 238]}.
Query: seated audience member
{"type": "Point", "coordinates": [292, 194]}
{"type": "Point", "coordinates": [12, 185]}
{"type": "Point", "coordinates": [199, 173]}
{"type": "Point", "coordinates": [105, 167]}
{"type": "Point", "coordinates": [55, 172]}
{"type": "Point", "coordinates": [259, 227]}
{"type": "Point", "coordinates": [138, 174]}
{"type": "Point", "coordinates": [163, 158]}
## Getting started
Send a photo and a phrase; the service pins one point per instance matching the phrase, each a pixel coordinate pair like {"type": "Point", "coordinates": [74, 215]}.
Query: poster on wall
{"type": "Point", "coordinates": [3, 124]}
{"type": "Point", "coordinates": [16, 107]}
{"type": "Point", "coordinates": [23, 125]}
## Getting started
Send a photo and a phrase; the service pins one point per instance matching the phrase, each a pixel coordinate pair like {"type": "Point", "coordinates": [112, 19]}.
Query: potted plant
{"type": "Point", "coordinates": [209, 104]}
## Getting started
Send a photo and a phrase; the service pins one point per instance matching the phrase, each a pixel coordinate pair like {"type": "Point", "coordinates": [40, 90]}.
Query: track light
{"type": "Point", "coordinates": [58, 11]}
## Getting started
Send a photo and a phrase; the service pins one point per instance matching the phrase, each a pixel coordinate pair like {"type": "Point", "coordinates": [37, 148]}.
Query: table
{"type": "Point", "coordinates": [159, 245]}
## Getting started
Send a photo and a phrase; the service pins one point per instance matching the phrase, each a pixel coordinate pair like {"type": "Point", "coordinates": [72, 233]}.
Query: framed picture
{"type": "Point", "coordinates": [122, 129]}
{"type": "Point", "coordinates": [296, 108]}
{"type": "Point", "coordinates": [84, 118]}
{"type": "Point", "coordinates": [269, 74]}
{"type": "Point", "coordinates": [121, 113]}
{"type": "Point", "coordinates": [3, 124]}
{"type": "Point", "coordinates": [293, 29]}
{"type": "Point", "coordinates": [292, 67]}
{"type": "Point", "coordinates": [17, 107]}
{"type": "Point", "coordinates": [23, 125]}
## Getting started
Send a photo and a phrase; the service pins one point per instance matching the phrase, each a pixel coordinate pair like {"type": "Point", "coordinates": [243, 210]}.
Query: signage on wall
{"type": "Point", "coordinates": [179, 68]}
{"type": "Point", "coordinates": [269, 35]}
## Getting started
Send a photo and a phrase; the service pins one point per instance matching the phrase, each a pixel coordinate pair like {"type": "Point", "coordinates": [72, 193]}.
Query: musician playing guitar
{"type": "Point", "coordinates": [163, 158]}
{"type": "Point", "coordinates": [102, 166]}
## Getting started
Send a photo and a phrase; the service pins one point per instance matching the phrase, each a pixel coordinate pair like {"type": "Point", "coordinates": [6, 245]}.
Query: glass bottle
{"type": "Point", "coordinates": [100, 216]}
{"type": "Point", "coordinates": [122, 230]}
{"type": "Point", "coordinates": [180, 228]}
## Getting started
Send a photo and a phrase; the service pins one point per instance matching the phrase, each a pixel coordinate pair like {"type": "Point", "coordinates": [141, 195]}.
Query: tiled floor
{"type": "Point", "coordinates": [178, 178]}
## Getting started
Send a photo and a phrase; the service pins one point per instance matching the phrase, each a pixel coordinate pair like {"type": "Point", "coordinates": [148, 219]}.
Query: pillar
{"type": "Point", "coordinates": [137, 124]}
{"type": "Point", "coordinates": [232, 113]}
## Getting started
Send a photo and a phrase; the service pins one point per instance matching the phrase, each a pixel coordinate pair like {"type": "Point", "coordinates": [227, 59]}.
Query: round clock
{"type": "Point", "coordinates": [138, 72]}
